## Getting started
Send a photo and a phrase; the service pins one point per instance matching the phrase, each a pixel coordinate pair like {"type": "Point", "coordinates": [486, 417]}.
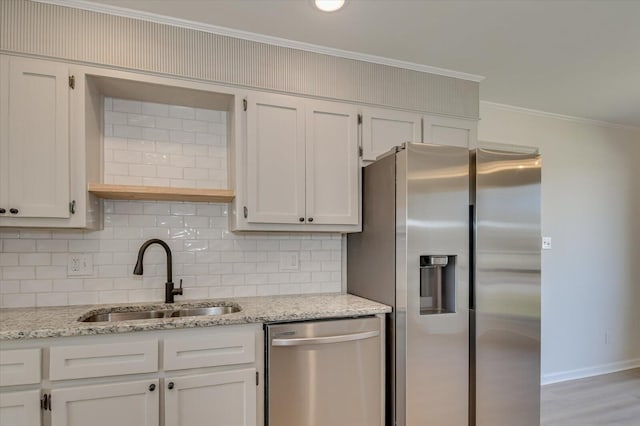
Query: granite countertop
{"type": "Point", "coordinates": [62, 321]}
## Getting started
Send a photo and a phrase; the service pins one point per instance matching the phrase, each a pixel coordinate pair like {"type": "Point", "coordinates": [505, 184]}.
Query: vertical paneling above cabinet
{"type": "Point", "coordinates": [136, 44]}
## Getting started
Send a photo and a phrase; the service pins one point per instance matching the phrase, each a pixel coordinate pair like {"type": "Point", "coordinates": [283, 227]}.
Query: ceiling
{"type": "Point", "coordinates": [576, 58]}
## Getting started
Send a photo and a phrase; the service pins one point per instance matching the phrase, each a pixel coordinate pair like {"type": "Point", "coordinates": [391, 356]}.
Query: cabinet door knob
{"type": "Point", "coordinates": [301, 219]}
{"type": "Point", "coordinates": [2, 211]}
{"type": "Point", "coordinates": [152, 387]}
{"type": "Point", "coordinates": [310, 219]}
{"type": "Point", "coordinates": [170, 385]}
{"type": "Point", "coordinates": [13, 211]}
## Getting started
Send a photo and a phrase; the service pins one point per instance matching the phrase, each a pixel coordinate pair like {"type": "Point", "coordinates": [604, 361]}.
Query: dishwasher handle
{"type": "Point", "coordinates": [325, 340]}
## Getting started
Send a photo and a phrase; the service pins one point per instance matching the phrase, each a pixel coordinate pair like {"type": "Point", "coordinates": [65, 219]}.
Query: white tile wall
{"type": "Point", "coordinates": [164, 145]}
{"type": "Point", "coordinates": [212, 261]}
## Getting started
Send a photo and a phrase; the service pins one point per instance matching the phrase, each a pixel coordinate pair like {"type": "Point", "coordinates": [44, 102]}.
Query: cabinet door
{"type": "Point", "coordinates": [20, 408]}
{"type": "Point", "coordinates": [384, 129]}
{"type": "Point", "coordinates": [450, 131]}
{"type": "Point", "coordinates": [332, 164]}
{"type": "Point", "coordinates": [275, 159]}
{"type": "Point", "coordinates": [121, 404]}
{"type": "Point", "coordinates": [228, 398]}
{"type": "Point", "coordinates": [35, 144]}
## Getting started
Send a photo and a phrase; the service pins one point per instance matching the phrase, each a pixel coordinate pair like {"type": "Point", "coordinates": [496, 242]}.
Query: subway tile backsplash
{"type": "Point", "coordinates": [163, 145]}
{"type": "Point", "coordinates": [211, 261]}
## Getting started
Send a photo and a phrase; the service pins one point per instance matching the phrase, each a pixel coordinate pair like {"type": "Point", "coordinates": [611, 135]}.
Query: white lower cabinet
{"type": "Point", "coordinates": [122, 404]}
{"type": "Point", "coordinates": [187, 377]}
{"type": "Point", "coordinates": [20, 408]}
{"type": "Point", "coordinates": [228, 397]}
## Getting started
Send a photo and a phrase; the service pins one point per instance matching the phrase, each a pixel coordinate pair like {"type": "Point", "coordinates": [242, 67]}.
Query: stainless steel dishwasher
{"type": "Point", "coordinates": [325, 373]}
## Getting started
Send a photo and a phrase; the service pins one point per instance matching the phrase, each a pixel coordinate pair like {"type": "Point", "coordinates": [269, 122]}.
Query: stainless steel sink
{"type": "Point", "coordinates": [164, 313]}
{"type": "Point", "coordinates": [196, 312]}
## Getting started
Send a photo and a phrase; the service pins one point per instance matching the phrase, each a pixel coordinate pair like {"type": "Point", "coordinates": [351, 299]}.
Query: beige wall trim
{"type": "Point", "coordinates": [55, 31]}
{"type": "Point", "coordinates": [572, 118]}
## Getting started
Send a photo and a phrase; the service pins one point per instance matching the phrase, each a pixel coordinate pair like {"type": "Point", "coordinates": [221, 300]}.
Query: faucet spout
{"type": "Point", "coordinates": [170, 291]}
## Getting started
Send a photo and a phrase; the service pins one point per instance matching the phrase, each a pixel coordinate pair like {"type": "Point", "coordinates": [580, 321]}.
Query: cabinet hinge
{"type": "Point", "coordinates": [244, 104]}
{"type": "Point", "coordinates": [246, 212]}
{"type": "Point", "coordinates": [72, 81]}
{"type": "Point", "coordinates": [257, 379]}
{"type": "Point", "coordinates": [45, 402]}
{"type": "Point", "coordinates": [72, 207]}
{"type": "Point", "coordinates": [359, 118]}
{"type": "Point", "coordinates": [360, 151]}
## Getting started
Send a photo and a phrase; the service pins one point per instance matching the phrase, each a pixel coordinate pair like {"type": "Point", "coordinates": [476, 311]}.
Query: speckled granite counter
{"type": "Point", "coordinates": [29, 323]}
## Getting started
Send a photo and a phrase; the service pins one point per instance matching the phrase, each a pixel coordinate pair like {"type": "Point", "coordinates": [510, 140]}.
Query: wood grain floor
{"type": "Point", "coordinates": [611, 400]}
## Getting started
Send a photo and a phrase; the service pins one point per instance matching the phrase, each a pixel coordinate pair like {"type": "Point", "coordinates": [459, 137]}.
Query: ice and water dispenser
{"type": "Point", "coordinates": [437, 284]}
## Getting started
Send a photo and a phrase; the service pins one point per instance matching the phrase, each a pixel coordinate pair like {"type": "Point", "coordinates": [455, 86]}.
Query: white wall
{"type": "Point", "coordinates": [212, 261]}
{"type": "Point", "coordinates": [591, 209]}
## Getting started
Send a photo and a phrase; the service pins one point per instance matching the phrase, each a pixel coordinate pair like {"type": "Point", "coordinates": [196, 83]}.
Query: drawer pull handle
{"type": "Point", "coordinates": [13, 211]}
{"type": "Point", "coordinates": [170, 385]}
{"type": "Point", "coordinates": [152, 387]}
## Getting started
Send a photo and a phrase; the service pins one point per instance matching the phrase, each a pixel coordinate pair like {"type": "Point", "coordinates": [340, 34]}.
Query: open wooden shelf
{"type": "Point", "coordinates": [160, 193]}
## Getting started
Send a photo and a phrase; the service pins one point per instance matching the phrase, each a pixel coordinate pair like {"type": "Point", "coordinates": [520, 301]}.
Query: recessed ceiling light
{"type": "Point", "coordinates": [329, 5]}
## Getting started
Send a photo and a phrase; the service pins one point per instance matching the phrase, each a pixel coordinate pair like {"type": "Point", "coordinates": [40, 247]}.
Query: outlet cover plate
{"type": "Point", "coordinates": [289, 261]}
{"type": "Point", "coordinates": [546, 243]}
{"type": "Point", "coordinates": [79, 265]}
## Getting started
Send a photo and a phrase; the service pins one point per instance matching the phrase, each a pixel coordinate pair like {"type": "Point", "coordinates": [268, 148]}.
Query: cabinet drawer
{"type": "Point", "coordinates": [20, 367]}
{"type": "Point", "coordinates": [113, 359]}
{"type": "Point", "coordinates": [20, 408]}
{"type": "Point", "coordinates": [226, 348]}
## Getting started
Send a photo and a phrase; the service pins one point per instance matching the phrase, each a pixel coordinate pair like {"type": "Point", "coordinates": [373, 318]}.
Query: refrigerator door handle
{"type": "Point", "coordinates": [472, 256]}
{"type": "Point", "coordinates": [325, 340]}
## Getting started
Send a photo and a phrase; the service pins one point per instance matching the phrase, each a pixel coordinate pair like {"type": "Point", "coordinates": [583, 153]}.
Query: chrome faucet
{"type": "Point", "coordinates": [169, 290]}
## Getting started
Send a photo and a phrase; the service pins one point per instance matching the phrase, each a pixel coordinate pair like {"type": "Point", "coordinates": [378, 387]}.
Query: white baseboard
{"type": "Point", "coordinates": [596, 370]}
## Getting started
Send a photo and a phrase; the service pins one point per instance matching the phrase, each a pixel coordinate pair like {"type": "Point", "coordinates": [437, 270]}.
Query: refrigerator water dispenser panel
{"type": "Point", "coordinates": [437, 284]}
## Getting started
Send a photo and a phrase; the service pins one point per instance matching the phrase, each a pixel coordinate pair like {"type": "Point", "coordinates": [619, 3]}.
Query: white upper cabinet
{"type": "Point", "coordinates": [43, 164]}
{"type": "Point", "coordinates": [297, 170]}
{"type": "Point", "coordinates": [450, 131]}
{"type": "Point", "coordinates": [275, 159]}
{"type": "Point", "coordinates": [35, 139]}
{"type": "Point", "coordinates": [332, 164]}
{"type": "Point", "coordinates": [383, 129]}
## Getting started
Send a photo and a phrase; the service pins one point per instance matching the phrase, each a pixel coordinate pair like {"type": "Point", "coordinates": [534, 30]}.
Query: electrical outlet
{"type": "Point", "coordinates": [546, 243]}
{"type": "Point", "coordinates": [79, 265]}
{"type": "Point", "coordinates": [289, 261]}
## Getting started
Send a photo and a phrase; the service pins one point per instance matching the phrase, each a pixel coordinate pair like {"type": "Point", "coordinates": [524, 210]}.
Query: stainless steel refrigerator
{"type": "Point", "coordinates": [451, 239]}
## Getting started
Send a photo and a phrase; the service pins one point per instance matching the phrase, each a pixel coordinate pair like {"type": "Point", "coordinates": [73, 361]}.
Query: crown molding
{"type": "Point", "coordinates": [556, 116]}
{"type": "Point", "coordinates": [260, 38]}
